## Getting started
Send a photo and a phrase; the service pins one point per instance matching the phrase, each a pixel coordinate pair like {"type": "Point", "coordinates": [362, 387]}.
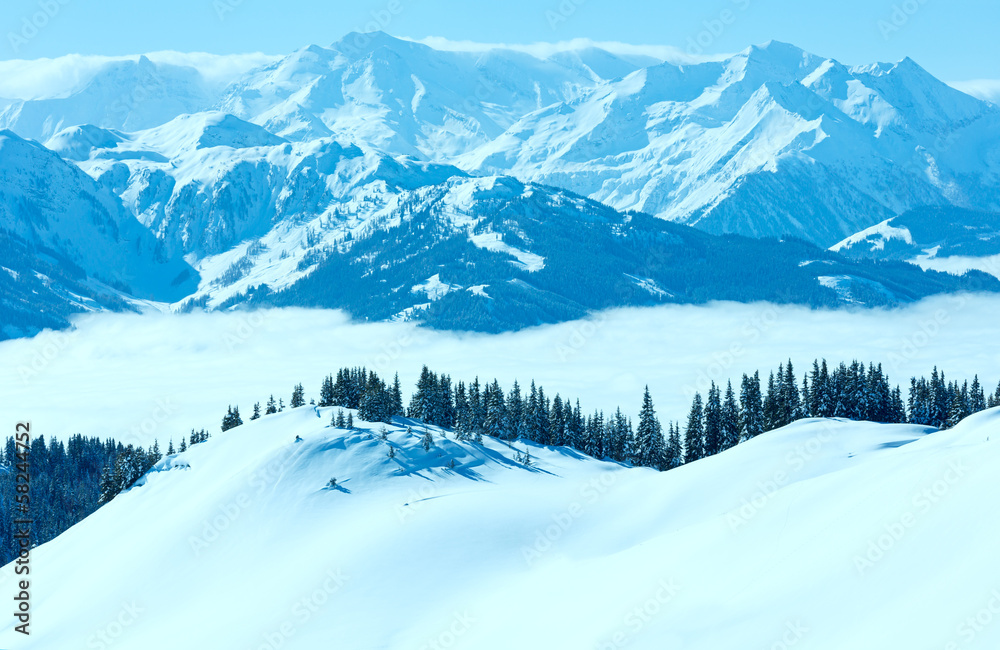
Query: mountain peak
{"type": "Point", "coordinates": [777, 52]}
{"type": "Point", "coordinates": [356, 44]}
{"type": "Point", "coordinates": [776, 60]}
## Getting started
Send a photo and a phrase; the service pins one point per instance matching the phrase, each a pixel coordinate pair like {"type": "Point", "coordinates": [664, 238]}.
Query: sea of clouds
{"type": "Point", "coordinates": [140, 377]}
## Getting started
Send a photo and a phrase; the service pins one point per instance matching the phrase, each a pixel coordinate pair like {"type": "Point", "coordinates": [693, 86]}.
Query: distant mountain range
{"type": "Point", "coordinates": [492, 190]}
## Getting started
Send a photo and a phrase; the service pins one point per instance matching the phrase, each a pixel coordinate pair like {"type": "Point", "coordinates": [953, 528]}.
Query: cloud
{"type": "Point", "coordinates": [161, 375]}
{"type": "Point", "coordinates": [216, 68]}
{"type": "Point", "coordinates": [65, 75]}
{"type": "Point", "coordinates": [985, 89]}
{"type": "Point", "coordinates": [544, 50]}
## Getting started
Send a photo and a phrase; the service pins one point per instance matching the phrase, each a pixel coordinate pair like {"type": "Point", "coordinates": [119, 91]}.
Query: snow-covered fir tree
{"type": "Point", "coordinates": [694, 435]}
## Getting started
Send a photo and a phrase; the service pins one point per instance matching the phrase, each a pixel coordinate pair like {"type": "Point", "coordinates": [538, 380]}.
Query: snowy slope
{"type": "Point", "coordinates": [60, 212]}
{"type": "Point", "coordinates": [256, 213]}
{"type": "Point", "coordinates": [407, 98]}
{"type": "Point", "coordinates": [45, 96]}
{"type": "Point", "coordinates": [825, 534]}
{"type": "Point", "coordinates": [771, 141]}
{"type": "Point", "coordinates": [768, 142]}
{"type": "Point", "coordinates": [946, 239]}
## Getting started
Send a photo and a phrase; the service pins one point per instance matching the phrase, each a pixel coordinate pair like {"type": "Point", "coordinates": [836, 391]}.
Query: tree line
{"type": "Point", "coordinates": [720, 420]}
{"type": "Point", "coordinates": [72, 480]}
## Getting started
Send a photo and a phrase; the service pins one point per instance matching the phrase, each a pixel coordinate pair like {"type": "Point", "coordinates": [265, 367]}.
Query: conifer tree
{"type": "Point", "coordinates": [556, 422]}
{"type": "Point", "coordinates": [694, 435]}
{"type": "Point", "coordinates": [730, 419]}
{"type": "Point", "coordinates": [326, 391]}
{"type": "Point", "coordinates": [477, 409]}
{"type": "Point", "coordinates": [542, 418]}
{"type": "Point", "coordinates": [648, 450]}
{"type": "Point", "coordinates": [463, 415]}
{"type": "Point", "coordinates": [256, 411]}
{"type": "Point", "coordinates": [674, 454]}
{"type": "Point", "coordinates": [617, 437]}
{"type": "Point", "coordinates": [427, 440]}
{"type": "Point", "coordinates": [231, 420]}
{"type": "Point", "coordinates": [515, 412]}
{"type": "Point", "coordinates": [298, 397]}
{"type": "Point", "coordinates": [976, 396]}
{"type": "Point", "coordinates": [530, 425]}
{"type": "Point", "coordinates": [396, 401]}
{"type": "Point", "coordinates": [956, 411]}
{"type": "Point", "coordinates": [271, 406]}
{"type": "Point", "coordinates": [790, 398]}
{"type": "Point", "coordinates": [575, 426]}
{"type": "Point", "coordinates": [420, 401]}
{"type": "Point", "coordinates": [444, 406]}
{"type": "Point", "coordinates": [350, 421]}
{"type": "Point", "coordinates": [496, 414]}
{"type": "Point", "coordinates": [752, 420]}
{"type": "Point", "coordinates": [772, 409]}
{"type": "Point", "coordinates": [713, 422]}
{"type": "Point", "coordinates": [594, 437]}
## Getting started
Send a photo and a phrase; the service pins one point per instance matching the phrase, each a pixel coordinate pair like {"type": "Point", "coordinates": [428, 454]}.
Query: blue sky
{"type": "Point", "coordinates": [955, 40]}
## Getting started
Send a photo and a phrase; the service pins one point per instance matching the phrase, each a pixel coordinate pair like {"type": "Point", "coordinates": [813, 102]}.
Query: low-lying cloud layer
{"type": "Point", "coordinates": [157, 376]}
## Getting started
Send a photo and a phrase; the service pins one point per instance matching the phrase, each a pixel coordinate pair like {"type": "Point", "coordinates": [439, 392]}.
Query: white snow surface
{"type": "Point", "coordinates": [833, 534]}
{"type": "Point", "coordinates": [493, 242]}
{"type": "Point", "coordinates": [434, 287]}
{"type": "Point", "coordinates": [877, 236]}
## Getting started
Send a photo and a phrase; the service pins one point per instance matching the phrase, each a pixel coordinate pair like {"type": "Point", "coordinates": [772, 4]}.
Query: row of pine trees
{"type": "Point", "coordinates": [73, 480]}
{"type": "Point", "coordinates": [714, 423]}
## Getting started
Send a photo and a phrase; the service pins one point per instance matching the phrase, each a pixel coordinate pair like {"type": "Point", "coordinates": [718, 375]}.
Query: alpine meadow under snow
{"type": "Point", "coordinates": [825, 534]}
{"type": "Point", "coordinates": [190, 240]}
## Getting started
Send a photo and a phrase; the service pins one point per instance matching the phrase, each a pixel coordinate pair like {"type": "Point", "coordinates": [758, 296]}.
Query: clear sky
{"type": "Point", "coordinates": [955, 40]}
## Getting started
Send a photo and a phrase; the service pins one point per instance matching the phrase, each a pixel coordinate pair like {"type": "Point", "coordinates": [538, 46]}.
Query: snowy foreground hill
{"type": "Point", "coordinates": [824, 534]}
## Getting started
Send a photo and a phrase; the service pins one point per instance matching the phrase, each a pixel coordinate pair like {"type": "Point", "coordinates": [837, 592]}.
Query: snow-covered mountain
{"type": "Point", "coordinates": [333, 157]}
{"type": "Point", "coordinates": [946, 239]}
{"type": "Point", "coordinates": [403, 238]}
{"type": "Point", "coordinates": [771, 141]}
{"type": "Point", "coordinates": [826, 534]}
{"type": "Point", "coordinates": [207, 182]}
{"type": "Point", "coordinates": [63, 231]}
{"type": "Point", "coordinates": [407, 98]}
{"type": "Point", "coordinates": [121, 94]}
